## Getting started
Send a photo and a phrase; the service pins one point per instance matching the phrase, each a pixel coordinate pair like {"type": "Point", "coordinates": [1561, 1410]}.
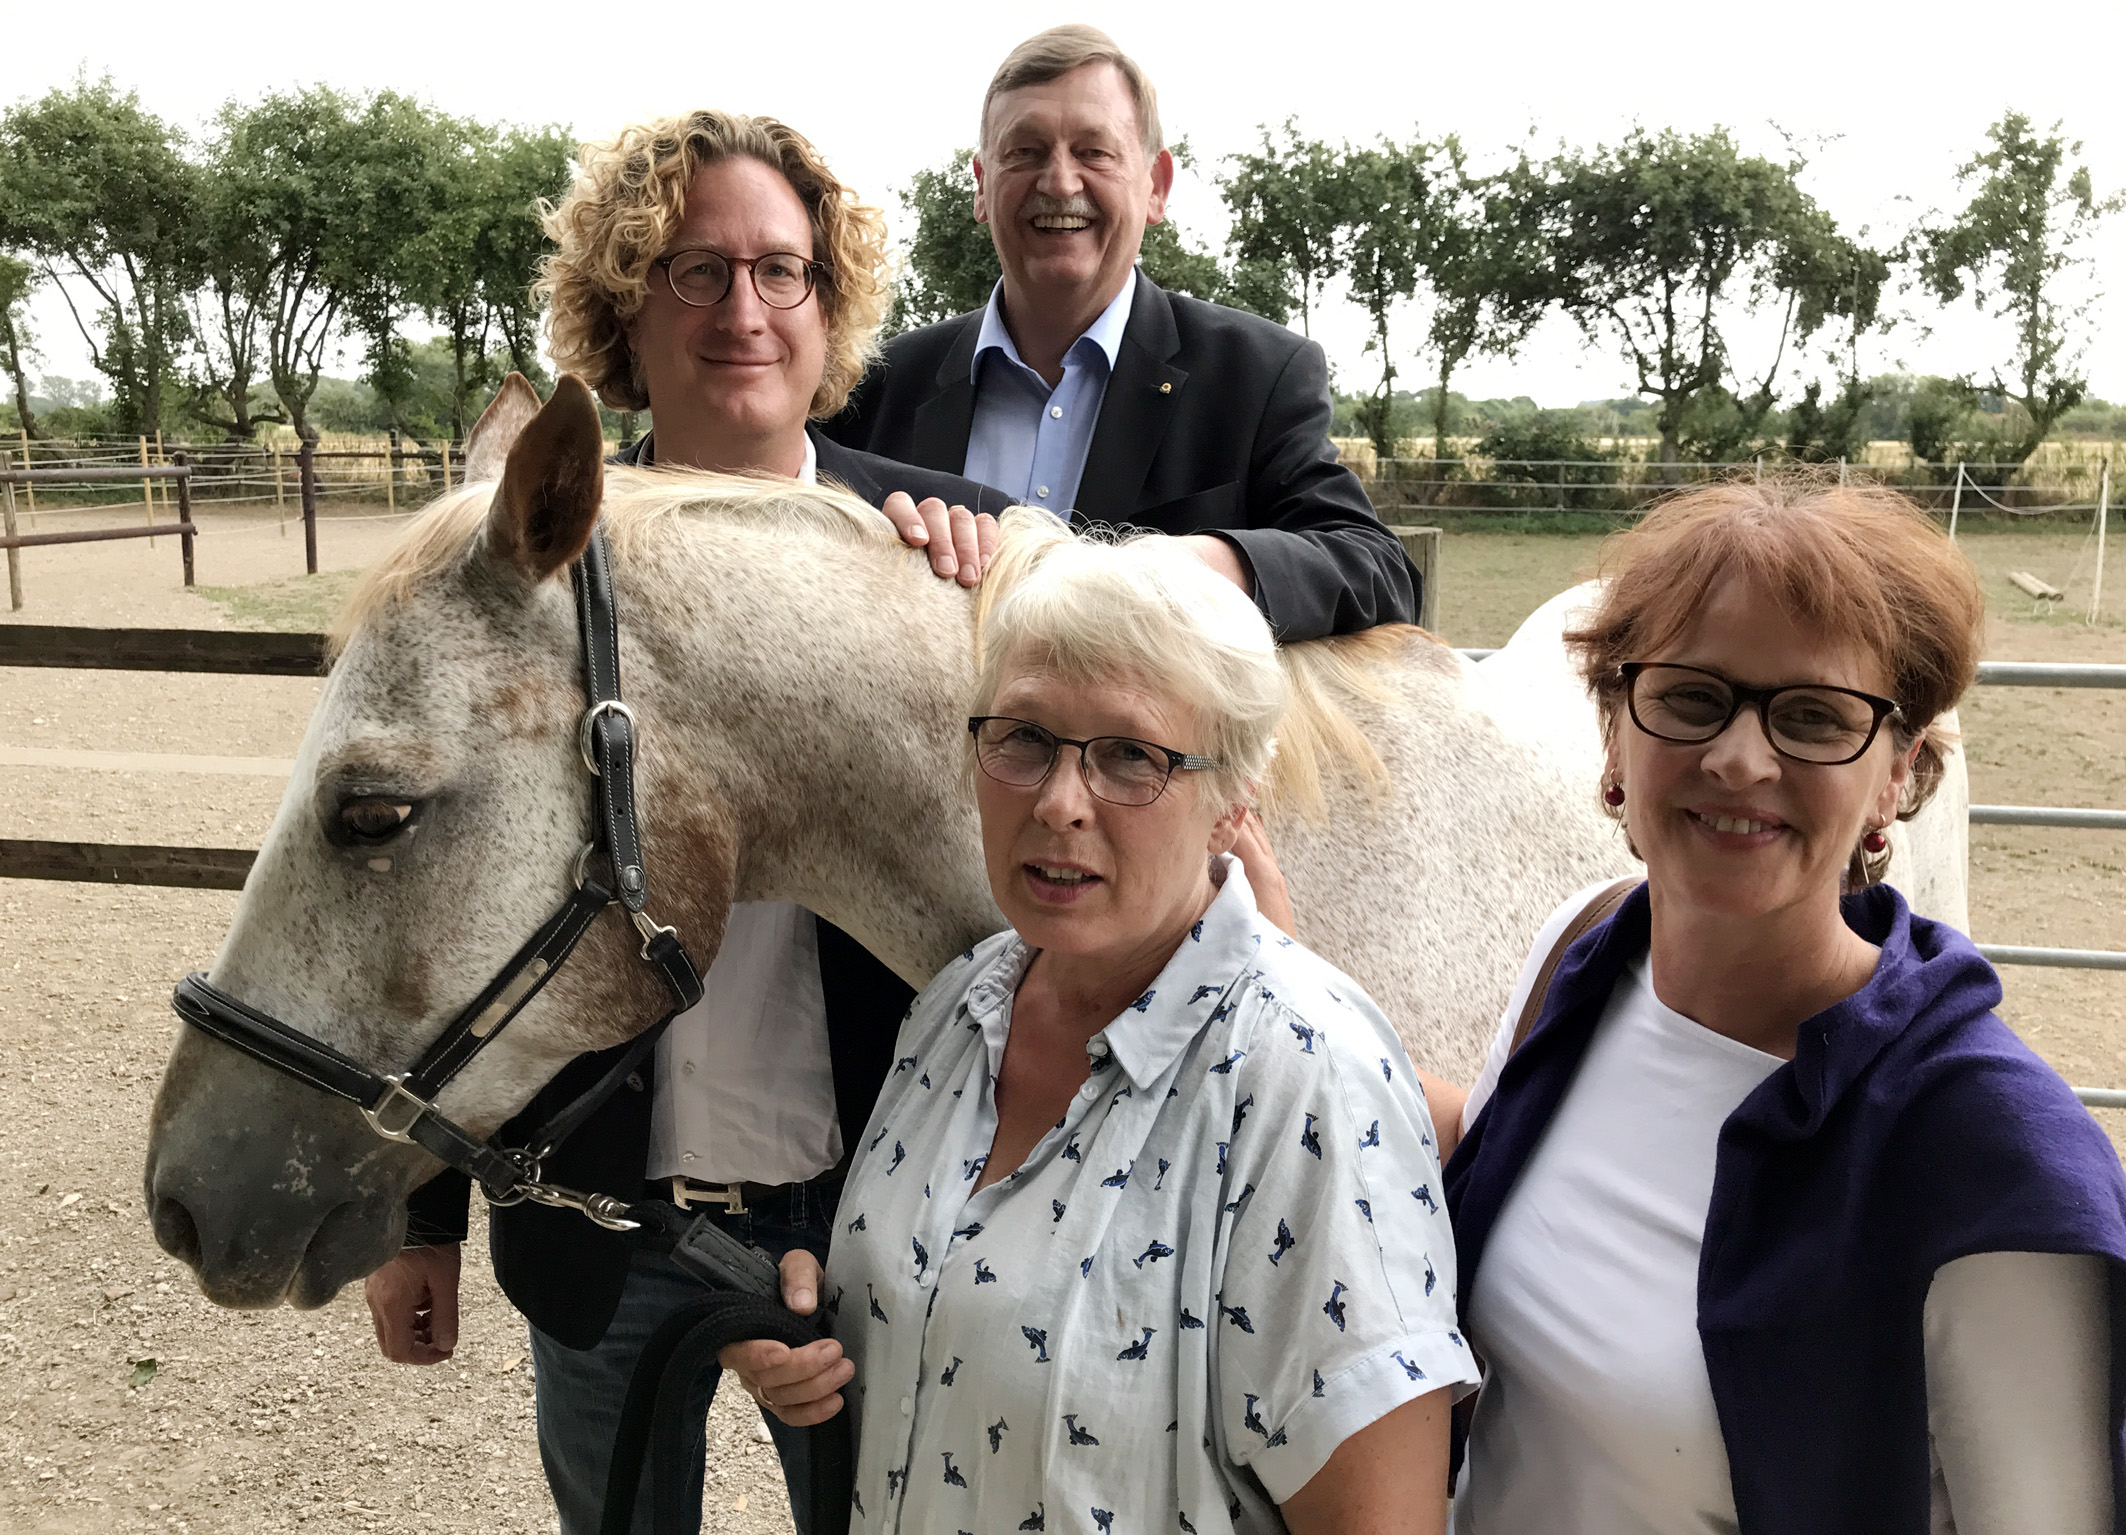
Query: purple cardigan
{"type": "Point", "coordinates": [1911, 1128]}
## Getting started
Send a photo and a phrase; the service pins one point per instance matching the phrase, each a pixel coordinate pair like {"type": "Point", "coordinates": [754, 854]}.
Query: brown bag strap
{"type": "Point", "coordinates": [1600, 909]}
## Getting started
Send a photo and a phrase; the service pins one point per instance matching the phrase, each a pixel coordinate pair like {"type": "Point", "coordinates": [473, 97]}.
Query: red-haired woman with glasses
{"type": "Point", "coordinates": [1769, 1224]}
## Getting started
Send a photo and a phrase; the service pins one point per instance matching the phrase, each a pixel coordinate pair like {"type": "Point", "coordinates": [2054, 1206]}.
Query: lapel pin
{"type": "Point", "coordinates": [1166, 388]}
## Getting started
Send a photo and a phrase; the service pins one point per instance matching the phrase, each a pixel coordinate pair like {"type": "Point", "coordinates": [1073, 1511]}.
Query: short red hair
{"type": "Point", "coordinates": [1859, 563]}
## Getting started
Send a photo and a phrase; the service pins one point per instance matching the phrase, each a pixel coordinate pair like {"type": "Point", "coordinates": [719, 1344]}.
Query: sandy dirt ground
{"type": "Point", "coordinates": [282, 1420]}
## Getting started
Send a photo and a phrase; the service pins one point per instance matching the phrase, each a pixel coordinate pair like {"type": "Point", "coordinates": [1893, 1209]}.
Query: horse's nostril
{"type": "Point", "coordinates": [175, 1230]}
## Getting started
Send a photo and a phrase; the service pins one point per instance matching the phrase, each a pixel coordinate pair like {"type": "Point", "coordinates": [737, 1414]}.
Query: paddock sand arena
{"type": "Point", "coordinates": [283, 1420]}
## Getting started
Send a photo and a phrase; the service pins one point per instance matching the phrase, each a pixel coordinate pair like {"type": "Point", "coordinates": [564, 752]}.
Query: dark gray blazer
{"type": "Point", "coordinates": [1215, 421]}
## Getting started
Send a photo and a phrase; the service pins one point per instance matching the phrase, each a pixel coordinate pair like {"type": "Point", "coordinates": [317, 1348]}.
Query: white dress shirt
{"type": "Point", "coordinates": [745, 1085]}
{"type": "Point", "coordinates": [1228, 1256]}
{"type": "Point", "coordinates": [1026, 439]}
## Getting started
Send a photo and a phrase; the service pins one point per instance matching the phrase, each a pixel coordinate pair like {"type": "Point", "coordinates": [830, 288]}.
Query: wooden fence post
{"type": "Point", "coordinates": [29, 491]}
{"type": "Point", "coordinates": [1422, 545]}
{"type": "Point", "coordinates": [184, 514]}
{"type": "Point", "coordinates": [14, 556]}
{"type": "Point", "coordinates": [1956, 500]}
{"type": "Point", "coordinates": [2103, 516]}
{"type": "Point", "coordinates": [280, 493]}
{"type": "Point", "coordinates": [147, 490]}
{"type": "Point", "coordinates": [447, 446]}
{"type": "Point", "coordinates": [306, 468]}
{"type": "Point", "coordinates": [391, 473]}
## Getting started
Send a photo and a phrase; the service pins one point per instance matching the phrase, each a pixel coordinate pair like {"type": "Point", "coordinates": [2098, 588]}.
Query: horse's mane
{"type": "Point", "coordinates": [636, 502]}
{"type": "Point", "coordinates": [1325, 675]}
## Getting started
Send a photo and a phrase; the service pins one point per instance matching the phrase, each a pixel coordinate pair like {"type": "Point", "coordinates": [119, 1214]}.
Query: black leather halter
{"type": "Point", "coordinates": [400, 1106]}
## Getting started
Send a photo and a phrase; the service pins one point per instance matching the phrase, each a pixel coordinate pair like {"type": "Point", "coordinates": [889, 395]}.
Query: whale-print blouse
{"type": "Point", "coordinates": [1231, 1254]}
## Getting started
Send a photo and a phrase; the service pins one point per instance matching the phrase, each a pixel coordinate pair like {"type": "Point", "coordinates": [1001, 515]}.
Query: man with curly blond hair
{"type": "Point", "coordinates": [712, 271]}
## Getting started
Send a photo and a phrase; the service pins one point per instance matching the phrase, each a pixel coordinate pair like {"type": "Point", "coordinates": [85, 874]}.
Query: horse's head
{"type": "Point", "coordinates": [437, 807]}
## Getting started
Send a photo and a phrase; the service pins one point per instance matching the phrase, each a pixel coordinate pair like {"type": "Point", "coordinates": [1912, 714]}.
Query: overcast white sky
{"type": "Point", "coordinates": [1903, 91]}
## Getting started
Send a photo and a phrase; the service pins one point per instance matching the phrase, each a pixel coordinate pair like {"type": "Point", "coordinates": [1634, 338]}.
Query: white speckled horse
{"type": "Point", "coordinates": [800, 681]}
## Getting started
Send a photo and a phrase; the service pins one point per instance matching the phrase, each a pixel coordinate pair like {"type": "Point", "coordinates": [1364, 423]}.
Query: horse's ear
{"type": "Point", "coordinates": [507, 414]}
{"type": "Point", "coordinates": [543, 514]}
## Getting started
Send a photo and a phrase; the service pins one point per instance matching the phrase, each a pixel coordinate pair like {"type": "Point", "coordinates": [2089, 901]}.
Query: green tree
{"type": "Point", "coordinates": [1489, 265]}
{"type": "Point", "coordinates": [18, 279]}
{"type": "Point", "coordinates": [524, 166]}
{"type": "Point", "coordinates": [1287, 236]}
{"type": "Point", "coordinates": [1660, 238]}
{"type": "Point", "coordinates": [2016, 247]}
{"type": "Point", "coordinates": [948, 263]}
{"type": "Point", "coordinates": [99, 191]}
{"type": "Point", "coordinates": [229, 309]}
{"type": "Point", "coordinates": [1382, 196]}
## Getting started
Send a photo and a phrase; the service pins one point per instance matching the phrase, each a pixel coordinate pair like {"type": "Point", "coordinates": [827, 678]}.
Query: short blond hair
{"type": "Point", "coordinates": [1055, 53]}
{"type": "Point", "coordinates": [630, 194]}
{"type": "Point", "coordinates": [1140, 610]}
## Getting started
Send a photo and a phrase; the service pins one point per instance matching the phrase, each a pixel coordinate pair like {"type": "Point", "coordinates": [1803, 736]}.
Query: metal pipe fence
{"type": "Point", "coordinates": [1623, 485]}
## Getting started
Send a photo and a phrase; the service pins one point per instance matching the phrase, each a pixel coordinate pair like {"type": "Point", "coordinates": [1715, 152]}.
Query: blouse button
{"type": "Point", "coordinates": [1089, 1092]}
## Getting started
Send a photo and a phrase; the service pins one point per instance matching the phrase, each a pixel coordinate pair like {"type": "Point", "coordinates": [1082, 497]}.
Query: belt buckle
{"type": "Point", "coordinates": [686, 1194]}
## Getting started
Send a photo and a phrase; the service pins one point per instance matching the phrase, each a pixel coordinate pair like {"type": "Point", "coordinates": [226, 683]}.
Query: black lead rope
{"type": "Point", "coordinates": [654, 1421]}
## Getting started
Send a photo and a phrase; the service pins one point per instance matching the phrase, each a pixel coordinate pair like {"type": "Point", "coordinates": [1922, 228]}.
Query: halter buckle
{"type": "Point", "coordinates": [395, 1094]}
{"type": "Point", "coordinates": [590, 718]}
{"type": "Point", "coordinates": [650, 929]}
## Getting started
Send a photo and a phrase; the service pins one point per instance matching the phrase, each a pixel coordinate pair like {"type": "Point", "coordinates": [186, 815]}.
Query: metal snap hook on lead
{"type": "Point", "coordinates": [590, 718]}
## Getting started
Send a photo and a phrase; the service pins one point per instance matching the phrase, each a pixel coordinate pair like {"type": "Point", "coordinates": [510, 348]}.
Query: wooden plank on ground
{"type": "Point", "coordinates": [112, 863]}
{"type": "Point", "coordinates": [164, 650]}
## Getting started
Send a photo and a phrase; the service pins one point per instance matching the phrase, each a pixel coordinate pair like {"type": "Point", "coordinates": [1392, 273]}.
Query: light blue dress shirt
{"type": "Point", "coordinates": [1028, 440]}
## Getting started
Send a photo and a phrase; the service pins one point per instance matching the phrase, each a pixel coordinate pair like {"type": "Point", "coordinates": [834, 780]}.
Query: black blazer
{"type": "Point", "coordinates": [1215, 421]}
{"type": "Point", "coordinates": [566, 1274]}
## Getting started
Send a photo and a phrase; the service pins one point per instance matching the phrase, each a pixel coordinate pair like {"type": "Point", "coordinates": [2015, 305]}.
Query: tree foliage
{"type": "Point", "coordinates": [99, 192]}
{"type": "Point", "coordinates": [17, 344]}
{"type": "Point", "coordinates": [2017, 247]}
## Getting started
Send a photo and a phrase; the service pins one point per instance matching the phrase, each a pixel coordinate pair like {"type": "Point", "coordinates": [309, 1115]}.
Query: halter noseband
{"type": "Point", "coordinates": [401, 1106]}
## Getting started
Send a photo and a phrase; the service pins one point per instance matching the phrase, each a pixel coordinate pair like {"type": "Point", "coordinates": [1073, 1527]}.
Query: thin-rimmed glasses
{"type": "Point", "coordinates": [783, 279]}
{"type": "Point", "coordinates": [1807, 721]}
{"type": "Point", "coordinates": [1119, 769]}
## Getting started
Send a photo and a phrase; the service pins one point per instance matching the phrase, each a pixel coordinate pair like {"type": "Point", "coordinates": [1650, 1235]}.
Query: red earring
{"type": "Point", "coordinates": [1875, 841]}
{"type": "Point", "coordinates": [1613, 796]}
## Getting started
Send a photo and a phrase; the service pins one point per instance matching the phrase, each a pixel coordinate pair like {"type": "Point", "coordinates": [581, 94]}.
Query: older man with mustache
{"type": "Point", "coordinates": [1085, 388]}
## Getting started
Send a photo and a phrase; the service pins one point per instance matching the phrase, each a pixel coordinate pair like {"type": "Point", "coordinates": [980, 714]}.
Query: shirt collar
{"type": "Point", "coordinates": [1105, 332]}
{"type": "Point", "coordinates": [808, 471]}
{"type": "Point", "coordinates": [1187, 994]}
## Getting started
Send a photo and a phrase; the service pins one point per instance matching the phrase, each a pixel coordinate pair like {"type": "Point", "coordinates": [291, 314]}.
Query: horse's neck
{"type": "Point", "coordinates": [815, 687]}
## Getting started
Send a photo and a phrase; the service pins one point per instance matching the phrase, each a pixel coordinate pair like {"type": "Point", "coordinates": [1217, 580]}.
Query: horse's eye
{"type": "Point", "coordinates": [374, 820]}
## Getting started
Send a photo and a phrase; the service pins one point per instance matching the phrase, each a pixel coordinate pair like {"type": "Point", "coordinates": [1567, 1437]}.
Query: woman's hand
{"type": "Point", "coordinates": [801, 1386]}
{"type": "Point", "coordinates": [1252, 848]}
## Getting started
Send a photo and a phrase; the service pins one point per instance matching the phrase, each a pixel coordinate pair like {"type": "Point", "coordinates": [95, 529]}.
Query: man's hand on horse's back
{"type": "Point", "coordinates": [413, 1300]}
{"type": "Point", "coordinates": [959, 542]}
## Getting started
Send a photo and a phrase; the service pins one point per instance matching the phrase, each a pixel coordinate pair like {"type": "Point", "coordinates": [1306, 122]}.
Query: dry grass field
{"type": "Point", "coordinates": [283, 1421]}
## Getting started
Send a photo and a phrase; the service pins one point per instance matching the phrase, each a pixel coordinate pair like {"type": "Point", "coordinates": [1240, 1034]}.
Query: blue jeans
{"type": "Point", "coordinates": [580, 1392]}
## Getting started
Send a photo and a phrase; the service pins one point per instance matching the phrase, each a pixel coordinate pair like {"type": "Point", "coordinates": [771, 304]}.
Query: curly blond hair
{"type": "Point", "coordinates": [630, 194]}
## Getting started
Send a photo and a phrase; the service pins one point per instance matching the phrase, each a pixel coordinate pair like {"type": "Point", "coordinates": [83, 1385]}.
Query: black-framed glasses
{"type": "Point", "coordinates": [1119, 769]}
{"type": "Point", "coordinates": [1807, 721]}
{"type": "Point", "coordinates": [783, 279]}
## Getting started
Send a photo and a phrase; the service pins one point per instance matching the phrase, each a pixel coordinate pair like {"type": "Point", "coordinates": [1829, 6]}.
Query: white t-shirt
{"type": "Point", "coordinates": [745, 1084]}
{"type": "Point", "coordinates": [1597, 1413]}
